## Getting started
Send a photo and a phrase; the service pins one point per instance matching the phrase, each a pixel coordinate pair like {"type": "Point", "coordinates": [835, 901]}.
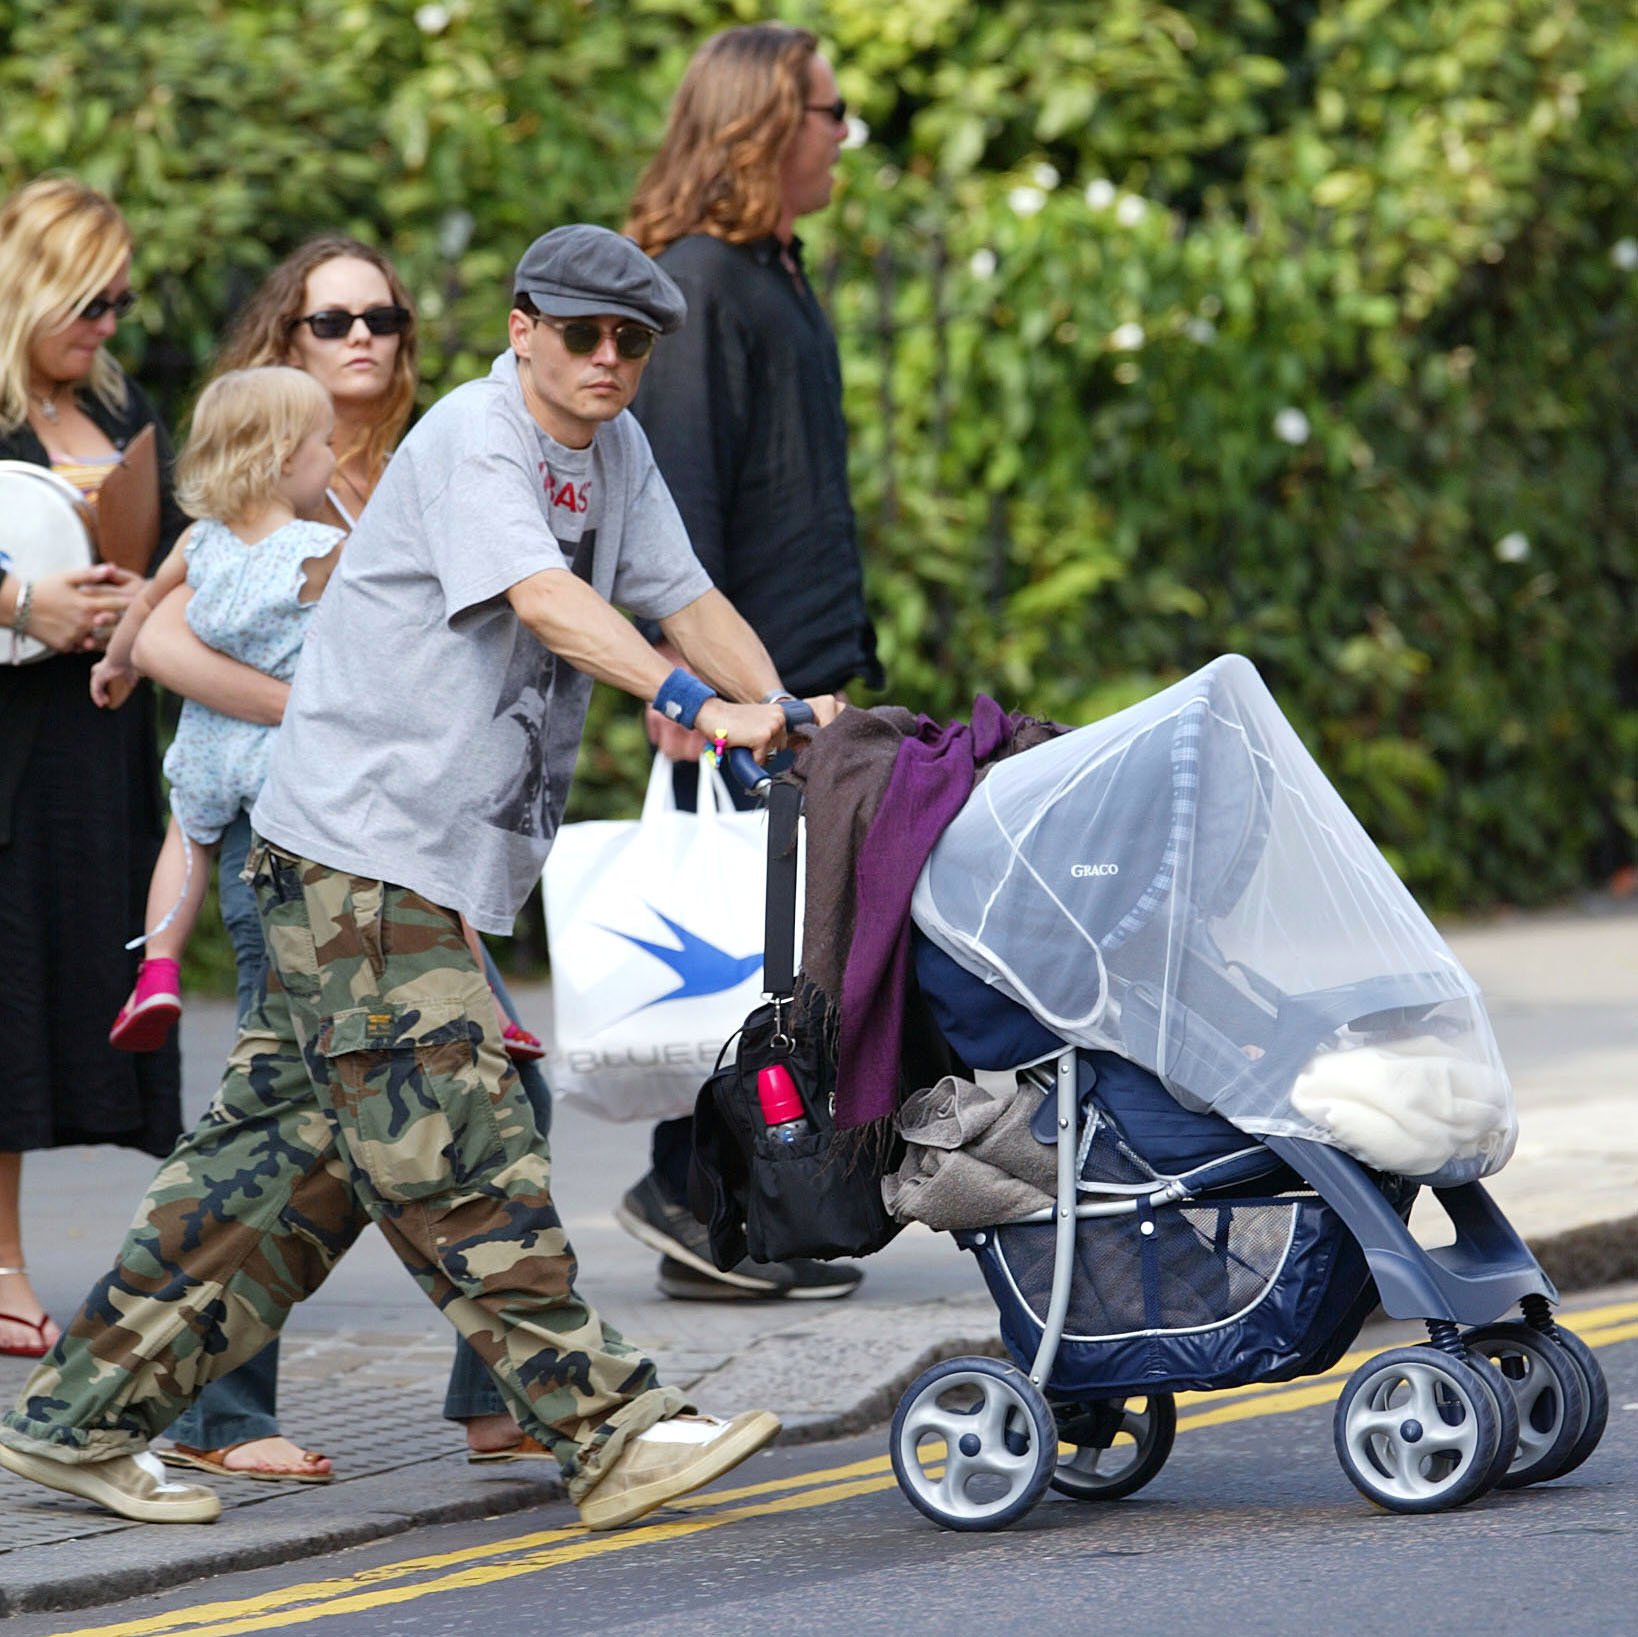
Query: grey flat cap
{"type": "Point", "coordinates": [581, 271]}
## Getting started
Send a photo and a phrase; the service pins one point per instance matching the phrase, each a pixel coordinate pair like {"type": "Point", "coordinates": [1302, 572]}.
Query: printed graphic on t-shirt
{"type": "Point", "coordinates": [523, 806]}
{"type": "Point", "coordinates": [563, 493]}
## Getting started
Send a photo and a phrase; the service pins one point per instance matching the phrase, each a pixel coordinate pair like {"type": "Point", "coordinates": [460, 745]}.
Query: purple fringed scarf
{"type": "Point", "coordinates": [933, 775]}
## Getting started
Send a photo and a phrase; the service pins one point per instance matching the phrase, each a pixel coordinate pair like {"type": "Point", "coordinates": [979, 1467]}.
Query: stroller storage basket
{"type": "Point", "coordinates": [1205, 1295]}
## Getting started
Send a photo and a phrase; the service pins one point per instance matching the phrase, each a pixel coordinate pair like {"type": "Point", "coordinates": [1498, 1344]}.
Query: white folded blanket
{"type": "Point", "coordinates": [1408, 1106]}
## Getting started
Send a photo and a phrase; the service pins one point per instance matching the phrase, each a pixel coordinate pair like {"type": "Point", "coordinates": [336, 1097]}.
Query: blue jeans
{"type": "Point", "coordinates": [243, 1405]}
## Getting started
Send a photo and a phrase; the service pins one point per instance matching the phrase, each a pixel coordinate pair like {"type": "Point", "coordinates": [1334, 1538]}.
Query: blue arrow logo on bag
{"type": "Point", "coordinates": [703, 968]}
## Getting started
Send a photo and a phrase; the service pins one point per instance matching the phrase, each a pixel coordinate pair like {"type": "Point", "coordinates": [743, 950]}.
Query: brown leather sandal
{"type": "Point", "coordinates": [215, 1460]}
{"type": "Point", "coordinates": [526, 1449]}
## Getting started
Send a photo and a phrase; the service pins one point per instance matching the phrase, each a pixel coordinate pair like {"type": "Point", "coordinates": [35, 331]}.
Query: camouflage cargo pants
{"type": "Point", "coordinates": [370, 1085]}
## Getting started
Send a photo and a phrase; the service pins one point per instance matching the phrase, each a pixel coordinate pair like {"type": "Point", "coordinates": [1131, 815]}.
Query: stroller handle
{"type": "Point", "coordinates": [747, 769]}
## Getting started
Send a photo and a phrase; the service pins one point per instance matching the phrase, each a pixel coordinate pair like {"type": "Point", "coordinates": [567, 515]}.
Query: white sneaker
{"type": "Point", "coordinates": [673, 1458]}
{"type": "Point", "coordinates": [132, 1486]}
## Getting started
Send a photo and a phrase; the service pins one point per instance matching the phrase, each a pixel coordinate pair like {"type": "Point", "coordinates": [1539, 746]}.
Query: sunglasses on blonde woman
{"type": "Point", "coordinates": [334, 323]}
{"type": "Point", "coordinates": [118, 305]}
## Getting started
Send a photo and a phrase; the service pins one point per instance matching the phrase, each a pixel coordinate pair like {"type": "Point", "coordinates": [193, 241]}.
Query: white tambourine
{"type": "Point", "coordinates": [45, 527]}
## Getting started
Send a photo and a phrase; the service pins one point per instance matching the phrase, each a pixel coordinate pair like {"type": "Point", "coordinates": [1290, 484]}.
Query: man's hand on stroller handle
{"type": "Point", "coordinates": [760, 729]}
{"type": "Point", "coordinates": [746, 767]}
{"type": "Point", "coordinates": [688, 744]}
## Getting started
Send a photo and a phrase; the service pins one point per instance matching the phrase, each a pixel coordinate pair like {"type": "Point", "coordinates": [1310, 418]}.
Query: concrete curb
{"type": "Point", "coordinates": [139, 1560]}
{"type": "Point", "coordinates": [359, 1512]}
{"type": "Point", "coordinates": [1603, 1253]}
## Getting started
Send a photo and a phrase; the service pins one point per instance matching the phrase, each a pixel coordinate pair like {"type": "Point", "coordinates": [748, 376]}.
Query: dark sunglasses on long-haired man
{"type": "Point", "coordinates": [334, 323]}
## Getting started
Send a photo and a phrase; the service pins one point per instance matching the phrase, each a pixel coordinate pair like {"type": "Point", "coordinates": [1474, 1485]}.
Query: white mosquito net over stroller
{"type": "Point", "coordinates": [1181, 884]}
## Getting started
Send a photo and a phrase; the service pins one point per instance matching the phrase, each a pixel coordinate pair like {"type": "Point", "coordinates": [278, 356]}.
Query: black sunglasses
{"type": "Point", "coordinates": [837, 109]}
{"type": "Point", "coordinates": [582, 337]}
{"type": "Point", "coordinates": [335, 323]}
{"type": "Point", "coordinates": [118, 305]}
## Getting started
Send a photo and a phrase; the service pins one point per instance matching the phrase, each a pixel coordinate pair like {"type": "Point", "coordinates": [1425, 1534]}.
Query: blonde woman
{"type": "Point", "coordinates": [257, 459]}
{"type": "Point", "coordinates": [80, 810]}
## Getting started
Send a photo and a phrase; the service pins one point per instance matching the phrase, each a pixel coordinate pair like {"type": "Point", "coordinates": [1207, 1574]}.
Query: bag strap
{"type": "Point", "coordinates": [779, 933]}
{"type": "Point", "coordinates": [660, 797]}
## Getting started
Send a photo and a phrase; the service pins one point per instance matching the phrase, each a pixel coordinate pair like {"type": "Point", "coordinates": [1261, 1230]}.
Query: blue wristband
{"type": "Point", "coordinates": [681, 696]}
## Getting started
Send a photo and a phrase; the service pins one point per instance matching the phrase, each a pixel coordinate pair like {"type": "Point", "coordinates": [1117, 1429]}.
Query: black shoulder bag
{"type": "Point", "coordinates": [818, 1194]}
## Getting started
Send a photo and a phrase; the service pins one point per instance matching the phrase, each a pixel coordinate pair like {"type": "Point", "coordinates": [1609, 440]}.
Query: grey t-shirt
{"type": "Point", "coordinates": [430, 737]}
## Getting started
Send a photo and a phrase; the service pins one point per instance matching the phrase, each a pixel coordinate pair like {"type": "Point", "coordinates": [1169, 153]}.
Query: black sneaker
{"type": "Point", "coordinates": [798, 1280]}
{"type": "Point", "coordinates": [688, 1273]}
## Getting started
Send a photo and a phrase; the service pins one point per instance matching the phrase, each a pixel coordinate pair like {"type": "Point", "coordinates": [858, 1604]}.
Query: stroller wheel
{"type": "Point", "coordinates": [1417, 1430]}
{"type": "Point", "coordinates": [1507, 1417]}
{"type": "Point", "coordinates": [1546, 1386]}
{"type": "Point", "coordinates": [973, 1444]}
{"type": "Point", "coordinates": [1597, 1393]}
{"type": "Point", "coordinates": [1120, 1444]}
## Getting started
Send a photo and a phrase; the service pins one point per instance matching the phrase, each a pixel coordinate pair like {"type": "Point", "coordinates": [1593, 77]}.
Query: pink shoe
{"type": "Point", "coordinates": [147, 1018]}
{"type": "Point", "coordinates": [521, 1046]}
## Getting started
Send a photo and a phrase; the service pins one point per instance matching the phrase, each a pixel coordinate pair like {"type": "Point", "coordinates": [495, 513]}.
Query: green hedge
{"type": "Point", "coordinates": [1303, 329]}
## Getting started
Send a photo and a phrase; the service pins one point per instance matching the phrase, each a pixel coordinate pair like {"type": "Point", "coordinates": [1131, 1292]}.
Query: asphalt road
{"type": "Point", "coordinates": [1251, 1529]}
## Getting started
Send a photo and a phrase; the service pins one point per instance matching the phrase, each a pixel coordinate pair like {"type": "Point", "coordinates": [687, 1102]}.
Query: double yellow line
{"type": "Point", "coordinates": [417, 1577]}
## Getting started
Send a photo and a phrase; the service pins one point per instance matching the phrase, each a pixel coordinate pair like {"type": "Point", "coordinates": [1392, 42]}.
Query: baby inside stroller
{"type": "Point", "coordinates": [1248, 1049]}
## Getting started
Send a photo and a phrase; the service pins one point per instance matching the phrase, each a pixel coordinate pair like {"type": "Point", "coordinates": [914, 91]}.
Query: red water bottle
{"type": "Point", "coordinates": [782, 1110]}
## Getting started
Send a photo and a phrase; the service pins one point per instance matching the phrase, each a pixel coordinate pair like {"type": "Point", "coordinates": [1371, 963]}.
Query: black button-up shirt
{"type": "Point", "coordinates": [743, 407]}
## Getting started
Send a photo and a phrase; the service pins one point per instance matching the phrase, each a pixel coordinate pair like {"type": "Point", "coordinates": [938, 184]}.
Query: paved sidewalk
{"type": "Point", "coordinates": [366, 1357]}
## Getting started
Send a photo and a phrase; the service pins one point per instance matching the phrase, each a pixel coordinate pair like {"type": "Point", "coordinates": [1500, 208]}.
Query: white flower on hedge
{"type": "Point", "coordinates": [858, 133]}
{"type": "Point", "coordinates": [1201, 330]}
{"type": "Point", "coordinates": [982, 265]}
{"type": "Point", "coordinates": [1100, 193]}
{"type": "Point", "coordinates": [455, 234]}
{"type": "Point", "coordinates": [1513, 547]}
{"type": "Point", "coordinates": [1126, 337]}
{"type": "Point", "coordinates": [1046, 176]}
{"type": "Point", "coordinates": [1131, 210]}
{"type": "Point", "coordinates": [1624, 253]}
{"type": "Point", "coordinates": [432, 19]}
{"type": "Point", "coordinates": [1291, 426]}
{"type": "Point", "coordinates": [1026, 201]}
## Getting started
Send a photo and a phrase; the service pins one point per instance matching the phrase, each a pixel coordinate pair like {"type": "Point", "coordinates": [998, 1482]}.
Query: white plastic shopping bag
{"type": "Point", "coordinates": [655, 929]}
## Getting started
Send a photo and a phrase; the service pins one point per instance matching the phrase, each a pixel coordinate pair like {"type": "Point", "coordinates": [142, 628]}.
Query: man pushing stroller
{"type": "Point", "coordinates": [420, 774]}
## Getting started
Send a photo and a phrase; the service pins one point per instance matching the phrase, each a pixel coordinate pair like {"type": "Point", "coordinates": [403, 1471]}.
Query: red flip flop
{"type": "Point", "coordinates": [38, 1326]}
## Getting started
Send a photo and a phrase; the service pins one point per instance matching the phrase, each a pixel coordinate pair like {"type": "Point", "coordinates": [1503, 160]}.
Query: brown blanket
{"type": "Point", "coordinates": [845, 773]}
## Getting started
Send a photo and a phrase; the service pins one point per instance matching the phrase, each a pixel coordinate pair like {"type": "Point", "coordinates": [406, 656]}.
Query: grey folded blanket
{"type": "Point", "coordinates": [971, 1160]}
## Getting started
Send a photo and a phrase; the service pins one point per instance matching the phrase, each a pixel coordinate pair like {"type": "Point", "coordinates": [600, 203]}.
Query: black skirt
{"type": "Point", "coordinates": [81, 820]}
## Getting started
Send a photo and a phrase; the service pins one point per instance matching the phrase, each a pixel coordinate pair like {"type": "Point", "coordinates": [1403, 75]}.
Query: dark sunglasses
{"type": "Point", "coordinates": [582, 337]}
{"type": "Point", "coordinates": [118, 305]}
{"type": "Point", "coordinates": [335, 323]}
{"type": "Point", "coordinates": [837, 109]}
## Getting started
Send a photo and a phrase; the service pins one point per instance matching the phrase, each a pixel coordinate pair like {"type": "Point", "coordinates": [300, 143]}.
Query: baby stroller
{"type": "Point", "coordinates": [1250, 1049]}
